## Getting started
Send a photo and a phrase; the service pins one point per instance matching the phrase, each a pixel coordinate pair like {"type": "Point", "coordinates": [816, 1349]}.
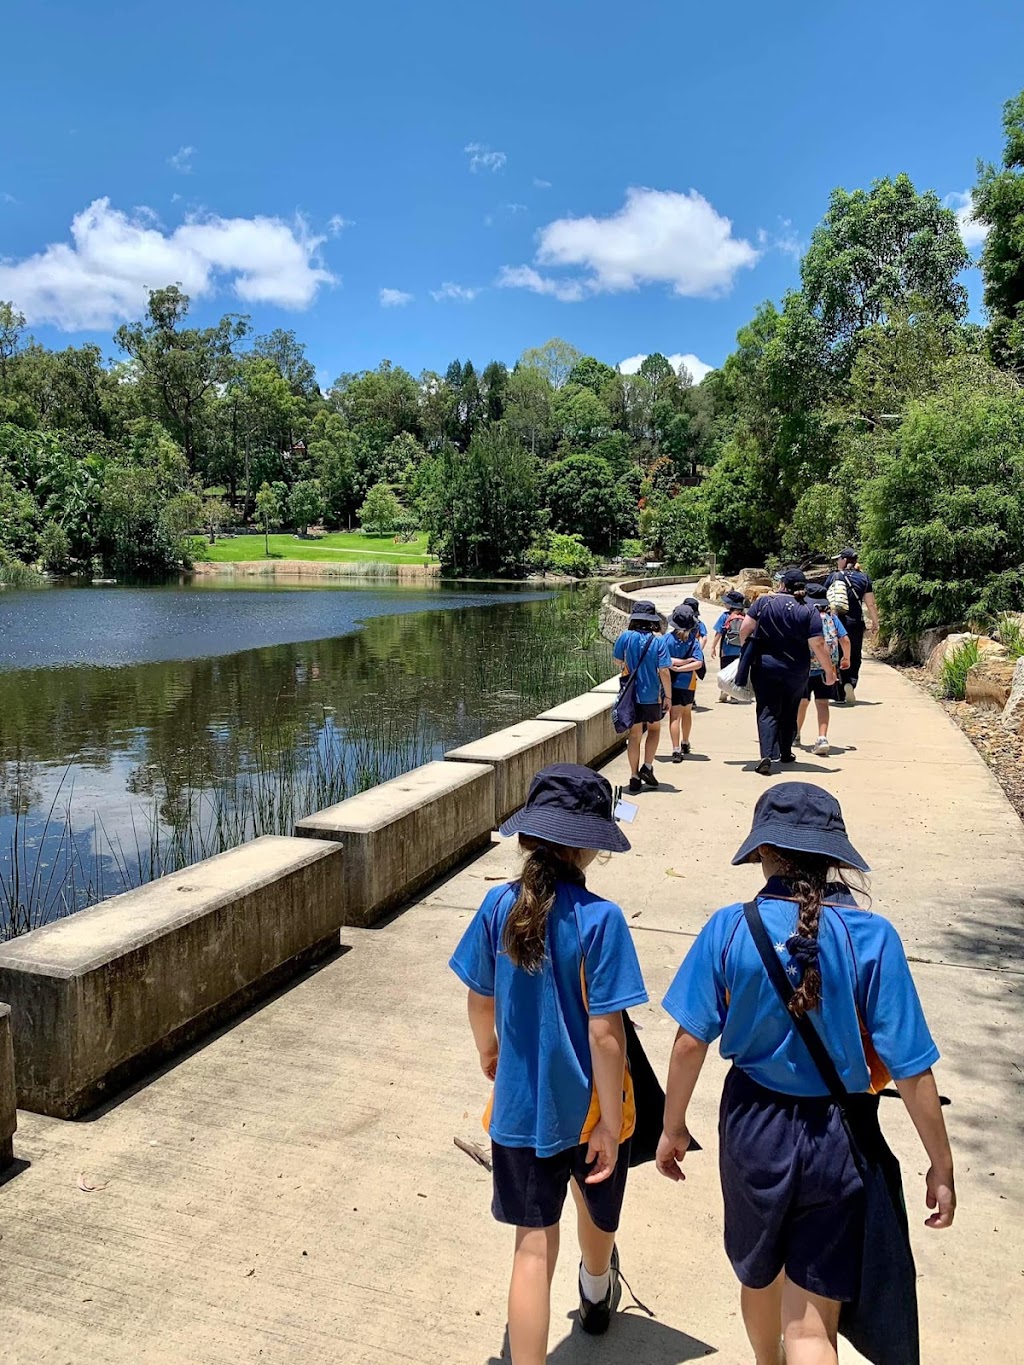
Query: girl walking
{"type": "Point", "coordinates": [642, 650]}
{"type": "Point", "coordinates": [684, 647]}
{"type": "Point", "coordinates": [794, 1195]}
{"type": "Point", "coordinates": [550, 967]}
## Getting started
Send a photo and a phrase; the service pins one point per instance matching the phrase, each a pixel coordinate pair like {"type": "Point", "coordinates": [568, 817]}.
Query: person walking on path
{"type": "Point", "coordinates": [550, 966]}
{"type": "Point", "coordinates": [702, 630]}
{"type": "Point", "coordinates": [642, 650]}
{"type": "Point", "coordinates": [725, 643]}
{"type": "Point", "coordinates": [684, 645]}
{"type": "Point", "coordinates": [853, 582]}
{"type": "Point", "coordinates": [838, 644]}
{"type": "Point", "coordinates": [786, 632]}
{"type": "Point", "coordinates": [794, 1198]}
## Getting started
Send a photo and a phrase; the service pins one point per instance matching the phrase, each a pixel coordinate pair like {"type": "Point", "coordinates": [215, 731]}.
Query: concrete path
{"type": "Point", "coordinates": [290, 1192]}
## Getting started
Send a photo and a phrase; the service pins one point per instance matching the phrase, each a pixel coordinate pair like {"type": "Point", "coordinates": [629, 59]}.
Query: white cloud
{"type": "Point", "coordinates": [516, 208]}
{"type": "Point", "coordinates": [336, 224]}
{"type": "Point", "coordinates": [695, 367]}
{"type": "Point", "coordinates": [8, 198]}
{"type": "Point", "coordinates": [461, 293]}
{"type": "Point", "coordinates": [181, 161]}
{"type": "Point", "coordinates": [394, 298]}
{"type": "Point", "coordinates": [525, 277]}
{"type": "Point", "coordinates": [102, 275]}
{"type": "Point", "coordinates": [973, 232]}
{"type": "Point", "coordinates": [481, 158]}
{"type": "Point", "coordinates": [657, 237]}
{"type": "Point", "coordinates": [539, 184]}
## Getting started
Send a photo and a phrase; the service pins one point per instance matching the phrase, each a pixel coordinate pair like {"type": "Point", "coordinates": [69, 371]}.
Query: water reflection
{"type": "Point", "coordinates": [109, 775]}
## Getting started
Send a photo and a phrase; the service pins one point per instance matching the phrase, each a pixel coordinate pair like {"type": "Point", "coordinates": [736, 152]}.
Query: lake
{"type": "Point", "coordinates": [144, 728]}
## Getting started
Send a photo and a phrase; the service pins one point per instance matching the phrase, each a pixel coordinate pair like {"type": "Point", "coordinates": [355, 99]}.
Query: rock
{"type": "Point", "coordinates": [924, 644]}
{"type": "Point", "coordinates": [711, 589]}
{"type": "Point", "coordinates": [1012, 718]}
{"type": "Point", "coordinates": [989, 682]}
{"type": "Point", "coordinates": [752, 578]}
{"type": "Point", "coordinates": [942, 651]}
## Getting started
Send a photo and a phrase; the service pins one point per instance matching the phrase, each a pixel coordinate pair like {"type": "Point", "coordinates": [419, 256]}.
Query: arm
{"type": "Point", "coordinates": [714, 645]}
{"type": "Point", "coordinates": [922, 1100]}
{"type": "Point", "coordinates": [844, 652]}
{"type": "Point", "coordinates": [481, 1021]}
{"type": "Point", "coordinates": [747, 627]}
{"type": "Point", "coordinates": [871, 606]}
{"type": "Point", "coordinates": [665, 674]}
{"type": "Point", "coordinates": [608, 1059]}
{"type": "Point", "coordinates": [686, 665]}
{"type": "Point", "coordinates": [688, 1055]}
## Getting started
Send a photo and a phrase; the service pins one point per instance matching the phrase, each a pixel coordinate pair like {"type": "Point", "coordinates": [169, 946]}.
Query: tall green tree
{"type": "Point", "coordinates": [999, 204]}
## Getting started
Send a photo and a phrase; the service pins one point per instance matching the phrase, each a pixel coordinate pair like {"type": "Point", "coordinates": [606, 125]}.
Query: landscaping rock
{"type": "Point", "coordinates": [710, 589]}
{"type": "Point", "coordinates": [989, 682]}
{"type": "Point", "coordinates": [922, 647]}
{"type": "Point", "coordinates": [1012, 718]}
{"type": "Point", "coordinates": [747, 579]}
{"type": "Point", "coordinates": [943, 650]}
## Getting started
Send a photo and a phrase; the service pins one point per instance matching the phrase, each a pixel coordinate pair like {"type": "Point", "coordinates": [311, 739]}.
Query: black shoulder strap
{"type": "Point", "coordinates": [777, 975]}
{"type": "Point", "coordinates": [643, 654]}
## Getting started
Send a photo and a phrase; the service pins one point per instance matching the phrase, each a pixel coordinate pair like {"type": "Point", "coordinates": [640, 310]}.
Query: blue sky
{"type": "Point", "coordinates": [629, 180]}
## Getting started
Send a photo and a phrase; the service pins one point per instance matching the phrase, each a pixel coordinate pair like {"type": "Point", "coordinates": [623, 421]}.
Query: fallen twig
{"type": "Point", "coordinates": [472, 1150]}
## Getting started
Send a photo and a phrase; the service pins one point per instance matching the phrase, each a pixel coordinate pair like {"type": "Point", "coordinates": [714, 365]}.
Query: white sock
{"type": "Point", "coordinates": [594, 1287]}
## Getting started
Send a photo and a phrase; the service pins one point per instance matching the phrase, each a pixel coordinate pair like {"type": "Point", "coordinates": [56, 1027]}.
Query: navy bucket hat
{"type": "Point", "coordinates": [816, 592]}
{"type": "Point", "coordinates": [642, 610]}
{"type": "Point", "coordinates": [569, 805]}
{"type": "Point", "coordinates": [693, 604]}
{"type": "Point", "coordinates": [734, 598]}
{"type": "Point", "coordinates": [683, 618]}
{"type": "Point", "coordinates": [799, 817]}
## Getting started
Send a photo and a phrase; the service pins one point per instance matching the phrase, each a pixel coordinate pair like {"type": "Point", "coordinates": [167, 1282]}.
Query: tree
{"type": "Point", "coordinates": [583, 496]}
{"type": "Point", "coordinates": [999, 204]}
{"type": "Point", "coordinates": [528, 414]}
{"type": "Point", "coordinates": [878, 248]}
{"type": "Point", "coordinates": [305, 504]}
{"type": "Point", "coordinates": [554, 360]}
{"type": "Point", "coordinates": [592, 374]}
{"type": "Point", "coordinates": [582, 417]}
{"type": "Point", "coordinates": [178, 368]}
{"type": "Point", "coordinates": [680, 529]}
{"type": "Point", "coordinates": [381, 511]}
{"type": "Point", "coordinates": [269, 511]}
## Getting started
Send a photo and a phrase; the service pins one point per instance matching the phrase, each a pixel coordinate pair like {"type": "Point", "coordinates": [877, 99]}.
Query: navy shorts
{"type": "Point", "coordinates": [793, 1198]}
{"type": "Point", "coordinates": [819, 689]}
{"type": "Point", "coordinates": [683, 698]}
{"type": "Point", "coordinates": [529, 1190]}
{"type": "Point", "coordinates": [648, 712]}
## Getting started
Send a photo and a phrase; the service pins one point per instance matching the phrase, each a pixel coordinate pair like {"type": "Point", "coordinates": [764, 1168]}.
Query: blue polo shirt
{"type": "Point", "coordinates": [628, 649]}
{"type": "Point", "coordinates": [784, 627]}
{"type": "Point", "coordinates": [684, 649]}
{"type": "Point", "coordinates": [544, 1094]}
{"type": "Point", "coordinates": [722, 990]}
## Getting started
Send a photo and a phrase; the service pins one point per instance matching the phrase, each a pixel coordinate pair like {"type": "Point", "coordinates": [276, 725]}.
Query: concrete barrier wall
{"type": "Point", "coordinates": [404, 833]}
{"type": "Point", "coordinates": [100, 995]}
{"type": "Point", "coordinates": [617, 603]}
{"type": "Point", "coordinates": [591, 713]}
{"type": "Point", "coordinates": [515, 754]}
{"type": "Point", "coordinates": [8, 1097]}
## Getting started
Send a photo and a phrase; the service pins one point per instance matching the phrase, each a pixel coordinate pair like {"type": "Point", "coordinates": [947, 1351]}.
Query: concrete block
{"type": "Point", "coordinates": [97, 997]}
{"type": "Point", "coordinates": [610, 685]}
{"type": "Point", "coordinates": [402, 834]}
{"type": "Point", "coordinates": [515, 754]}
{"type": "Point", "coordinates": [591, 713]}
{"type": "Point", "coordinates": [8, 1097]}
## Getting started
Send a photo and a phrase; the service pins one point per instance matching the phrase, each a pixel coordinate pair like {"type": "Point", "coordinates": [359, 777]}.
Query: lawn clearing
{"type": "Point", "coordinates": [339, 545]}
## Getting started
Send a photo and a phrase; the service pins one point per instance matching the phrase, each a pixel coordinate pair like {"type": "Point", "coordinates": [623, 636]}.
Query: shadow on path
{"type": "Point", "coordinates": [632, 1337]}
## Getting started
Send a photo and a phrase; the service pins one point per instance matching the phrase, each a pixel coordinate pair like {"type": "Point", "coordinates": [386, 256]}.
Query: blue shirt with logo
{"type": "Point", "coordinates": [722, 990]}
{"type": "Point", "coordinates": [684, 649]}
{"type": "Point", "coordinates": [544, 1088]}
{"type": "Point", "coordinates": [784, 627]}
{"type": "Point", "coordinates": [628, 649]}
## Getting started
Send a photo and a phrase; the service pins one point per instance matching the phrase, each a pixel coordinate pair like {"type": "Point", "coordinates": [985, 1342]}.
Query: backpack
{"type": "Point", "coordinates": [838, 596]}
{"type": "Point", "coordinates": [731, 634]}
{"type": "Point", "coordinates": [831, 636]}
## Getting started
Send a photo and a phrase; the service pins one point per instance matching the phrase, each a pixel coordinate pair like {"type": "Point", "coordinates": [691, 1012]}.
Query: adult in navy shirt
{"type": "Point", "coordinates": [786, 631]}
{"type": "Point", "coordinates": [643, 650]}
{"type": "Point", "coordinates": [860, 594]}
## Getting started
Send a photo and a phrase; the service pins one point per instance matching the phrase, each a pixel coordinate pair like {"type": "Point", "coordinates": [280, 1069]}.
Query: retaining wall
{"type": "Point", "coordinates": [8, 1097]}
{"type": "Point", "coordinates": [591, 714]}
{"type": "Point", "coordinates": [619, 599]}
{"type": "Point", "coordinates": [515, 754]}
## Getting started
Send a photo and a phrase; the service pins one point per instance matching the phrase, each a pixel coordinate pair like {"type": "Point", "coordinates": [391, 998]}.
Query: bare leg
{"type": "Point", "coordinates": [529, 1294]}
{"type": "Point", "coordinates": [633, 748]}
{"type": "Point", "coordinates": [801, 716]}
{"type": "Point", "coordinates": [762, 1317]}
{"type": "Point", "coordinates": [687, 719]}
{"type": "Point", "coordinates": [675, 716]}
{"type": "Point", "coordinates": [810, 1327]}
{"type": "Point", "coordinates": [651, 747]}
{"type": "Point", "coordinates": [823, 716]}
{"type": "Point", "coordinates": [595, 1245]}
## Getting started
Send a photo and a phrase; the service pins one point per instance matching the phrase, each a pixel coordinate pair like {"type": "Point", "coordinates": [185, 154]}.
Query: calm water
{"type": "Point", "coordinates": [142, 728]}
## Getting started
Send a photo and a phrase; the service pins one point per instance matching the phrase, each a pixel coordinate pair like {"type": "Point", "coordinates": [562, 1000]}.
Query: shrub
{"type": "Point", "coordinates": [955, 668]}
{"type": "Point", "coordinates": [55, 548]}
{"type": "Point", "coordinates": [567, 554]}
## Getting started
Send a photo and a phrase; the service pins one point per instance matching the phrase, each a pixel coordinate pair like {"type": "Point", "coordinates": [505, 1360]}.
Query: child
{"type": "Point", "coordinates": [794, 1215]}
{"type": "Point", "coordinates": [642, 650]}
{"type": "Point", "coordinates": [726, 641]}
{"type": "Point", "coordinates": [550, 967]}
{"type": "Point", "coordinates": [702, 630]}
{"type": "Point", "coordinates": [838, 642]}
{"type": "Point", "coordinates": [687, 661]}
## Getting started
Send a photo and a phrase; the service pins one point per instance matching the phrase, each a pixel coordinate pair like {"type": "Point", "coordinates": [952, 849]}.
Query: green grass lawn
{"type": "Point", "coordinates": [341, 545]}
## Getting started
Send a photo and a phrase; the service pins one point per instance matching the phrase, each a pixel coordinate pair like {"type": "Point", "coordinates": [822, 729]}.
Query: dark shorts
{"type": "Point", "coordinates": [529, 1190]}
{"type": "Point", "coordinates": [683, 698]}
{"type": "Point", "coordinates": [793, 1198]}
{"type": "Point", "coordinates": [819, 689]}
{"type": "Point", "coordinates": [648, 712]}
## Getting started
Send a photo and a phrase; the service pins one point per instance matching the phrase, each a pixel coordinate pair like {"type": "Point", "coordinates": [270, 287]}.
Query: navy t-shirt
{"type": "Point", "coordinates": [857, 584]}
{"type": "Point", "coordinates": [784, 626]}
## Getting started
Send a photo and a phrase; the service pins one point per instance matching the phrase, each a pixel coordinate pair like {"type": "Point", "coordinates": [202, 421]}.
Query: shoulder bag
{"type": "Point", "coordinates": [882, 1322]}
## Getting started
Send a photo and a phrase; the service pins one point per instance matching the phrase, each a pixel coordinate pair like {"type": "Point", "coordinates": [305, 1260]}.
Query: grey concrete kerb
{"type": "Point", "coordinates": [8, 1097]}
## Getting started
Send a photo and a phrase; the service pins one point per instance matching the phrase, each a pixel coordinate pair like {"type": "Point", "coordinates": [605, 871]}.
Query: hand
{"type": "Point", "coordinates": [603, 1151]}
{"type": "Point", "coordinates": [940, 1195]}
{"type": "Point", "coordinates": [671, 1151]}
{"type": "Point", "coordinates": [489, 1062]}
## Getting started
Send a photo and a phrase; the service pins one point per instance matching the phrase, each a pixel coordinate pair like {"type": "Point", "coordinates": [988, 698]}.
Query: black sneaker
{"type": "Point", "coordinates": [677, 755]}
{"type": "Point", "coordinates": [595, 1318]}
{"type": "Point", "coordinates": [686, 747]}
{"type": "Point", "coordinates": [764, 767]}
{"type": "Point", "coordinates": [647, 776]}
{"type": "Point", "coordinates": [788, 758]}
{"type": "Point", "coordinates": [635, 785]}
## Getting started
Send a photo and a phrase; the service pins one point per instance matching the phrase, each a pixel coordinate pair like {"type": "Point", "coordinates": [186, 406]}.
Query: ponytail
{"type": "Point", "coordinates": [811, 879]}
{"type": "Point", "coordinates": [524, 937]}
